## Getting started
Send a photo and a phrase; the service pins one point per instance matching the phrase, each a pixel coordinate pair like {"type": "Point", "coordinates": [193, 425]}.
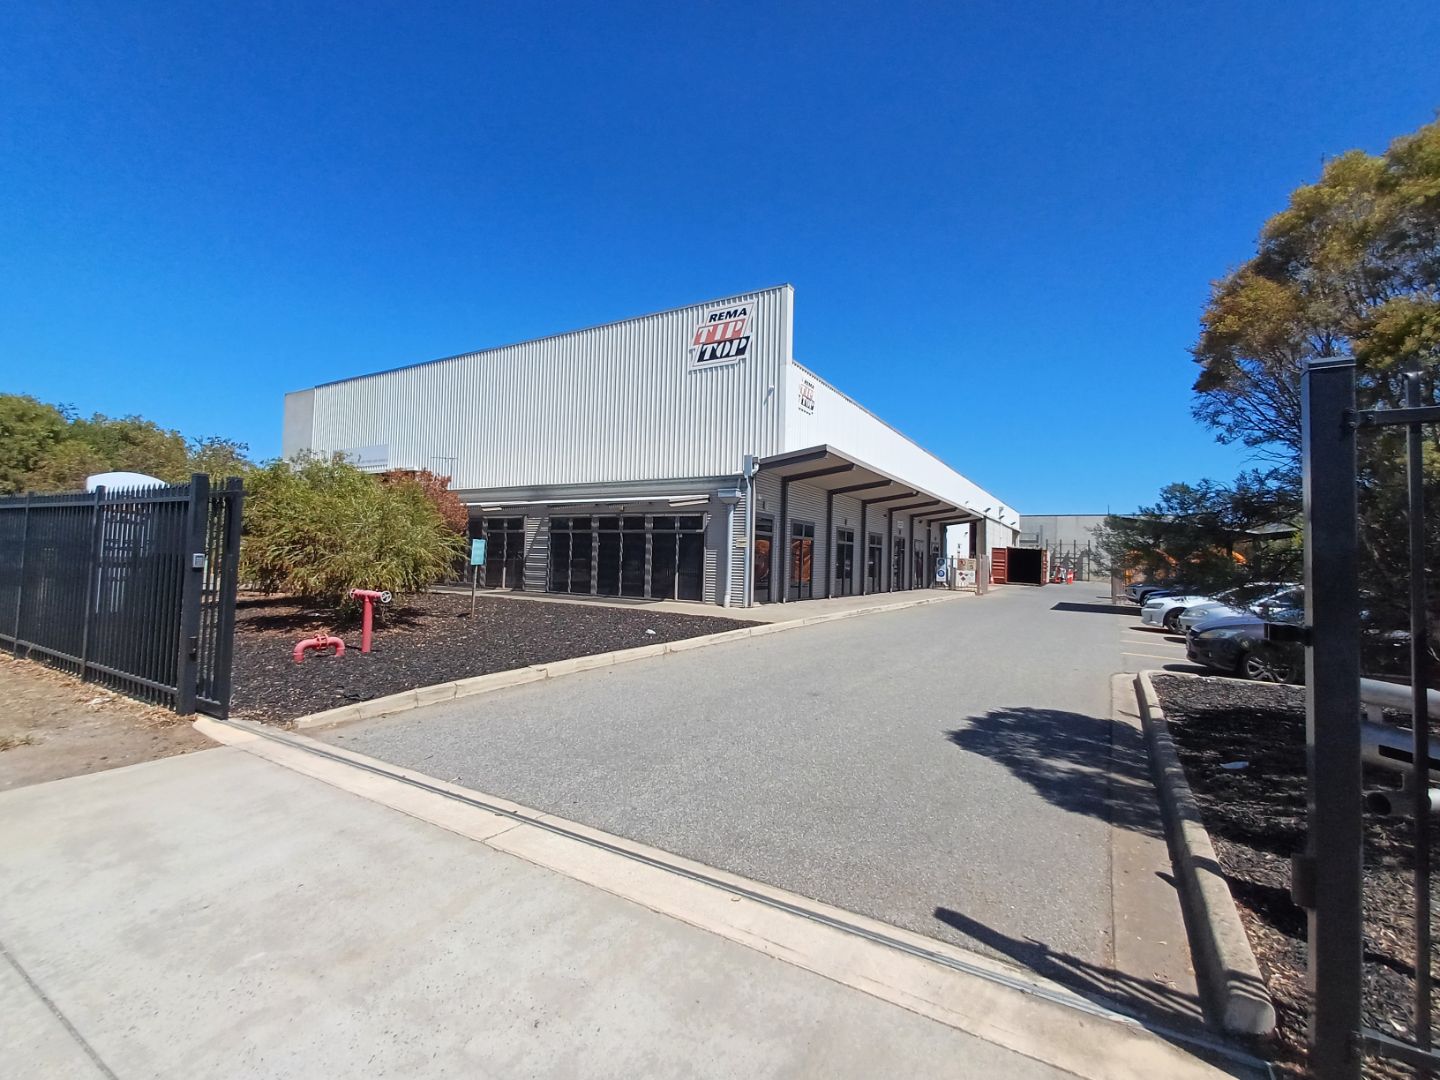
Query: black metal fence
{"type": "Point", "coordinates": [134, 589]}
{"type": "Point", "coordinates": [1328, 876]}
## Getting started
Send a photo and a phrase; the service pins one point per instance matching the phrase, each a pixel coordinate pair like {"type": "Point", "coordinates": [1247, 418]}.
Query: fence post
{"type": "Point", "coordinates": [1419, 710]}
{"type": "Point", "coordinates": [97, 539]}
{"type": "Point", "coordinates": [192, 584]}
{"type": "Point", "coordinates": [1327, 878]}
{"type": "Point", "coordinates": [20, 581]}
{"type": "Point", "coordinates": [228, 578]}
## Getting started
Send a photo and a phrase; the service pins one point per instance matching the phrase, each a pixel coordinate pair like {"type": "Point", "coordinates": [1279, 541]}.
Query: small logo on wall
{"type": "Point", "coordinates": [723, 336]}
{"type": "Point", "coordinates": [807, 396]}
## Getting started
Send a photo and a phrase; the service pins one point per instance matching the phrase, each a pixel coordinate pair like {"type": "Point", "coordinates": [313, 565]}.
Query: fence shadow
{"type": "Point", "coordinates": [1079, 763]}
{"type": "Point", "coordinates": [1131, 993]}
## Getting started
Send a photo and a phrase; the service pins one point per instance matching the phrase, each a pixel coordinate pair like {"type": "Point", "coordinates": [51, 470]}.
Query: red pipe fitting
{"type": "Point", "coordinates": [369, 596]}
{"type": "Point", "coordinates": [319, 641]}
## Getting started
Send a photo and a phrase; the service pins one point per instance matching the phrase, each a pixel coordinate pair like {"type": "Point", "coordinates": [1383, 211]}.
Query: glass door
{"type": "Point", "coordinates": [632, 555]}
{"type": "Point", "coordinates": [764, 543]}
{"type": "Point", "coordinates": [504, 552]}
{"type": "Point", "coordinates": [874, 561]}
{"type": "Point", "coordinates": [802, 560]}
{"type": "Point", "coordinates": [844, 562]}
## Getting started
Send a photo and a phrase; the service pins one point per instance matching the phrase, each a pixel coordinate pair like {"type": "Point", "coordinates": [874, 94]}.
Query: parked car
{"type": "Point", "coordinates": [1163, 612]}
{"type": "Point", "coordinates": [1244, 600]}
{"type": "Point", "coordinates": [1238, 645]}
{"type": "Point", "coordinates": [1140, 591]}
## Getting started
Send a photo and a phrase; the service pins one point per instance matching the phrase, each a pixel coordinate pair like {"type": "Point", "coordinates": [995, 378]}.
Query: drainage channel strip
{"type": "Point", "coordinates": [1113, 1014]}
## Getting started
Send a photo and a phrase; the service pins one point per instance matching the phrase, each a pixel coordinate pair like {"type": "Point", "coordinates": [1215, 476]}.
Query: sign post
{"type": "Point", "coordinates": [477, 560]}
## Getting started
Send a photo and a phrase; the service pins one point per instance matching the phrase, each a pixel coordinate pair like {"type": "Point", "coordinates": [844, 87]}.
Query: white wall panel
{"type": "Point", "coordinates": [615, 402]}
{"type": "Point", "coordinates": [831, 417]}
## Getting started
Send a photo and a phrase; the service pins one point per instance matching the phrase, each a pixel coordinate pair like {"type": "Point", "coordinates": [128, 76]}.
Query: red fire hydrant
{"type": "Point", "coordinates": [319, 641]}
{"type": "Point", "coordinates": [368, 620]}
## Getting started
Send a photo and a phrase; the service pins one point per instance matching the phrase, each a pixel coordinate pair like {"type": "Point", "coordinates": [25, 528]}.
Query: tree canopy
{"type": "Point", "coordinates": [1209, 536]}
{"type": "Point", "coordinates": [47, 448]}
{"type": "Point", "coordinates": [1350, 268]}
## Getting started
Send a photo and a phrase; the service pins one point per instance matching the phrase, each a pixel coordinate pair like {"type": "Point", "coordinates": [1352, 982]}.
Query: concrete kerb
{"type": "Point", "coordinates": [1229, 978]}
{"type": "Point", "coordinates": [407, 700]}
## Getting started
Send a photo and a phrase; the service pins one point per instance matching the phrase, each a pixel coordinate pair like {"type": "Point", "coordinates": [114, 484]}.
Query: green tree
{"type": "Point", "coordinates": [29, 433]}
{"type": "Point", "coordinates": [134, 444]}
{"type": "Point", "coordinates": [1208, 536]}
{"type": "Point", "coordinates": [318, 528]}
{"type": "Point", "coordinates": [219, 458]}
{"type": "Point", "coordinates": [1350, 268]}
{"type": "Point", "coordinates": [66, 467]}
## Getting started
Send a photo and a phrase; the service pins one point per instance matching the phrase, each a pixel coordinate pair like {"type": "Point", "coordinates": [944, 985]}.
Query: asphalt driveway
{"type": "Point", "coordinates": [943, 768]}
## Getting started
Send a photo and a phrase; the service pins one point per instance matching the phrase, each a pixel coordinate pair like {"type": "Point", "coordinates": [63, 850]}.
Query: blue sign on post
{"type": "Point", "coordinates": [477, 560]}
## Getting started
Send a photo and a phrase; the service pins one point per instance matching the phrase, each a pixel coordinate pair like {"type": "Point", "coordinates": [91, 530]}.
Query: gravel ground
{"type": "Point", "coordinates": [1256, 819]}
{"type": "Point", "coordinates": [52, 725]}
{"type": "Point", "coordinates": [425, 639]}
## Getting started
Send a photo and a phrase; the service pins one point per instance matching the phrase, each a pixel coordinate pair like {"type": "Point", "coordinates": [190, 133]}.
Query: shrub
{"type": "Point", "coordinates": [437, 490]}
{"type": "Point", "coordinates": [319, 528]}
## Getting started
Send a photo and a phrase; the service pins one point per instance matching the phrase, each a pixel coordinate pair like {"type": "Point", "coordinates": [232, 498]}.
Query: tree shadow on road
{"type": "Point", "coordinates": [1076, 762]}
{"type": "Point", "coordinates": [1096, 609]}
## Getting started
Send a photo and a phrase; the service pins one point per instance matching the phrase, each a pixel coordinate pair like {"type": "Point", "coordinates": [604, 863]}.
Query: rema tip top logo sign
{"type": "Point", "coordinates": [722, 337]}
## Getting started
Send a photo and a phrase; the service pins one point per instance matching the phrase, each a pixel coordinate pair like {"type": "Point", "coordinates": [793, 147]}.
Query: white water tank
{"type": "Point", "coordinates": [112, 480]}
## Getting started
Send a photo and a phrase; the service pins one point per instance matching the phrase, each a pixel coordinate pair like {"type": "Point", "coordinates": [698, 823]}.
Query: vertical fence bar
{"type": "Point", "coordinates": [1420, 716]}
{"type": "Point", "coordinates": [92, 571]}
{"type": "Point", "coordinates": [192, 570]}
{"type": "Point", "coordinates": [1327, 879]}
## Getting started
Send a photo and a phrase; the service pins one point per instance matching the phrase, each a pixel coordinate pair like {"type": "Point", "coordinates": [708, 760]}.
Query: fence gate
{"type": "Point", "coordinates": [1327, 878]}
{"type": "Point", "coordinates": [134, 589]}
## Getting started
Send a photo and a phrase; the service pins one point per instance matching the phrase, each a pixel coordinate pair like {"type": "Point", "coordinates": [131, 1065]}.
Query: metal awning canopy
{"type": "Point", "coordinates": [839, 473]}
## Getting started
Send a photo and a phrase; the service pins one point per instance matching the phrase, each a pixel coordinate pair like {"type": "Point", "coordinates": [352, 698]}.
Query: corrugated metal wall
{"type": "Point", "coordinates": [537, 553]}
{"type": "Point", "coordinates": [835, 419]}
{"type": "Point", "coordinates": [710, 585]}
{"type": "Point", "coordinates": [612, 403]}
{"type": "Point", "coordinates": [739, 548]}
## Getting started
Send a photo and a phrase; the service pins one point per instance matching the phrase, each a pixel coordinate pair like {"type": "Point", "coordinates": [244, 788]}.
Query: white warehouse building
{"type": "Point", "coordinates": [683, 455]}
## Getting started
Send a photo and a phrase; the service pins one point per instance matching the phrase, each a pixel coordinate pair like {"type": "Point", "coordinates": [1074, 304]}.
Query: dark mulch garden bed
{"type": "Point", "coordinates": [425, 639]}
{"type": "Point", "coordinates": [1256, 819]}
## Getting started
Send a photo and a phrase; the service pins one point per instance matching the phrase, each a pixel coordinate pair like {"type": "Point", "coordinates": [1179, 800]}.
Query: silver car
{"type": "Point", "coordinates": [1260, 598]}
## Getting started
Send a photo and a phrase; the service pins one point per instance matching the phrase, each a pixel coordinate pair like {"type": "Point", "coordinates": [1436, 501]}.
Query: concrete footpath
{"type": "Point", "coordinates": [256, 910]}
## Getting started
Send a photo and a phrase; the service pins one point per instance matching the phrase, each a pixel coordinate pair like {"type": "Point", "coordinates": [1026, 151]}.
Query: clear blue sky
{"type": "Point", "coordinates": [1000, 219]}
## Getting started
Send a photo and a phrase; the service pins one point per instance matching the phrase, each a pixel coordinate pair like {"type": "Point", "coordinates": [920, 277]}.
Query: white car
{"type": "Point", "coordinates": [1245, 600]}
{"type": "Point", "coordinates": [1163, 612]}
